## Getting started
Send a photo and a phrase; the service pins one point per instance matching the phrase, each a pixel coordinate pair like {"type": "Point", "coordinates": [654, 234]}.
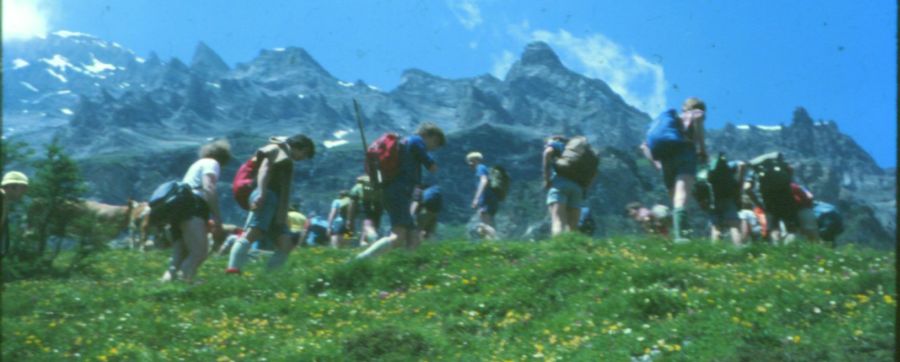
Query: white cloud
{"type": "Point", "coordinates": [467, 12]}
{"type": "Point", "coordinates": [24, 19]}
{"type": "Point", "coordinates": [640, 82]}
{"type": "Point", "coordinates": [502, 64]}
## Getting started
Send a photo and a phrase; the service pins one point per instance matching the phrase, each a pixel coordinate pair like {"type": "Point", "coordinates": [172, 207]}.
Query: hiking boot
{"type": "Point", "coordinates": [233, 271]}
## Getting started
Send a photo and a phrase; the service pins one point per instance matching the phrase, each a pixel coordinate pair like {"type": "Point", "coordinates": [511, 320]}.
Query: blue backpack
{"type": "Point", "coordinates": [666, 135]}
{"type": "Point", "coordinates": [830, 221]}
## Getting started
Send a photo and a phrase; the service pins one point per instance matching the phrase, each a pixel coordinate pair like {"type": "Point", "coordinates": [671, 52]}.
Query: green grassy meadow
{"type": "Point", "coordinates": [571, 298]}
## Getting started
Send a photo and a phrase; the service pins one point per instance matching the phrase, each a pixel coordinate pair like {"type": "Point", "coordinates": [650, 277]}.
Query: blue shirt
{"type": "Point", "coordinates": [558, 148]}
{"type": "Point", "coordinates": [414, 155]}
{"type": "Point", "coordinates": [482, 170]}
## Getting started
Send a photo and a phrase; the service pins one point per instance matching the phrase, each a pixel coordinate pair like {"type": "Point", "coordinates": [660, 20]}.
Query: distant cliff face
{"type": "Point", "coordinates": [135, 122]}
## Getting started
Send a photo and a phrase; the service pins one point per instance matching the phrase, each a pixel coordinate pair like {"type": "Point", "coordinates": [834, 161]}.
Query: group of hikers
{"type": "Point", "coordinates": [392, 183]}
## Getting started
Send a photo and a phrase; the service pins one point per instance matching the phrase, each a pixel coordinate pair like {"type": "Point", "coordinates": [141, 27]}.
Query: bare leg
{"type": "Point", "coordinates": [557, 219]}
{"type": "Point", "coordinates": [193, 232]}
{"type": "Point", "coordinates": [573, 214]}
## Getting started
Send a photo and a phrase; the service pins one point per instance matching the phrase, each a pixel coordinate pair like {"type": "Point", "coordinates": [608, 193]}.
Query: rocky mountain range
{"type": "Point", "coordinates": [134, 122]}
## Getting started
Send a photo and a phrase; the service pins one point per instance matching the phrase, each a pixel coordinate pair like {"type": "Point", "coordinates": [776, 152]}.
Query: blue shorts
{"type": "Point", "coordinates": [488, 204]}
{"type": "Point", "coordinates": [565, 192]}
{"type": "Point", "coordinates": [263, 218]}
{"type": "Point", "coordinates": [682, 162]}
{"type": "Point", "coordinates": [397, 200]}
{"type": "Point", "coordinates": [724, 213]}
{"type": "Point", "coordinates": [338, 225]}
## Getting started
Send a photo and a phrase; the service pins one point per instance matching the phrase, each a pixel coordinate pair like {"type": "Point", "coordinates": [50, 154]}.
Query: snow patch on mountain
{"type": "Point", "coordinates": [29, 86]}
{"type": "Point", "coordinates": [98, 66]}
{"type": "Point", "coordinates": [19, 63]}
{"type": "Point", "coordinates": [57, 76]}
{"type": "Point", "coordinates": [58, 61]}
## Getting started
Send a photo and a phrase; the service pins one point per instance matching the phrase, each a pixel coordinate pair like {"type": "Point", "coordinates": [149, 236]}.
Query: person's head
{"type": "Point", "coordinates": [432, 135]}
{"type": "Point", "coordinates": [15, 185]}
{"type": "Point", "coordinates": [219, 150]}
{"type": "Point", "coordinates": [302, 148]}
{"type": "Point", "coordinates": [695, 107]}
{"type": "Point", "coordinates": [363, 179]}
{"type": "Point", "coordinates": [474, 158]}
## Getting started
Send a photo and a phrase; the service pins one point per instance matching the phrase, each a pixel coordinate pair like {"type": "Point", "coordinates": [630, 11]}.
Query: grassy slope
{"type": "Point", "coordinates": [570, 298]}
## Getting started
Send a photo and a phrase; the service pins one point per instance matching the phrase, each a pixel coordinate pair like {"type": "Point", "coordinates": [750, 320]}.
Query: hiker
{"type": "Point", "coordinates": [784, 201]}
{"type": "Point", "coordinates": [427, 204]}
{"type": "Point", "coordinates": [652, 221]}
{"type": "Point", "coordinates": [367, 201]}
{"type": "Point", "coordinates": [485, 202]}
{"type": "Point", "coordinates": [297, 223]}
{"type": "Point", "coordinates": [718, 190]}
{"type": "Point", "coordinates": [398, 192]}
{"type": "Point", "coordinates": [569, 168]}
{"type": "Point", "coordinates": [337, 219]}
{"type": "Point", "coordinates": [829, 220]}
{"type": "Point", "coordinates": [586, 223]}
{"type": "Point", "coordinates": [229, 242]}
{"type": "Point", "coordinates": [316, 232]}
{"type": "Point", "coordinates": [675, 143]}
{"type": "Point", "coordinates": [751, 225]}
{"type": "Point", "coordinates": [14, 186]}
{"type": "Point", "coordinates": [191, 246]}
{"type": "Point", "coordinates": [270, 197]}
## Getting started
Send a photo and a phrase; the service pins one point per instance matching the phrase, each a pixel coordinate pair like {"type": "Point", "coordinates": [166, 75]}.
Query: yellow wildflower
{"type": "Point", "coordinates": [888, 299]}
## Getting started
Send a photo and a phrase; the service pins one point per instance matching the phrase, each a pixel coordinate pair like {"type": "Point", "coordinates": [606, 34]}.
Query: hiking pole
{"type": "Point", "coordinates": [362, 135]}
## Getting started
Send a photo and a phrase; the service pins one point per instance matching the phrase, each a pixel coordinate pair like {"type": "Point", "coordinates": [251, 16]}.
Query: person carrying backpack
{"type": "Point", "coordinates": [337, 219]}
{"type": "Point", "coordinates": [784, 201]}
{"type": "Point", "coordinates": [725, 180]}
{"type": "Point", "coordinates": [486, 200]}
{"type": "Point", "coordinates": [398, 188]}
{"type": "Point", "coordinates": [569, 168]}
{"type": "Point", "coordinates": [269, 200]}
{"type": "Point", "coordinates": [674, 144]}
{"type": "Point", "coordinates": [367, 201]}
{"type": "Point", "coordinates": [14, 186]}
{"type": "Point", "coordinates": [829, 220]}
{"type": "Point", "coordinates": [427, 204]}
{"type": "Point", "coordinates": [190, 222]}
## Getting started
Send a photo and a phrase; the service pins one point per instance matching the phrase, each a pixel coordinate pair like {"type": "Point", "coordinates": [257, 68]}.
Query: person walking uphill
{"type": "Point", "coordinates": [14, 187]}
{"type": "Point", "coordinates": [486, 201]}
{"type": "Point", "coordinates": [270, 197]}
{"type": "Point", "coordinates": [398, 188]}
{"type": "Point", "coordinates": [192, 247]}
{"type": "Point", "coordinates": [569, 168]}
{"type": "Point", "coordinates": [674, 144]}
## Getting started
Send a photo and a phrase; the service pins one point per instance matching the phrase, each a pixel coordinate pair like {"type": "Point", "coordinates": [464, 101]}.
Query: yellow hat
{"type": "Point", "coordinates": [15, 177]}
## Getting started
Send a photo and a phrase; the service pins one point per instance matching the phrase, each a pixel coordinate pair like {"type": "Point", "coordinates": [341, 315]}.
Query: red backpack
{"type": "Point", "coordinates": [383, 159]}
{"type": "Point", "coordinates": [245, 182]}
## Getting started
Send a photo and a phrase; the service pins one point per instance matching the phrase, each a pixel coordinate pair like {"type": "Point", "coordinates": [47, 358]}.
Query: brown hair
{"type": "Point", "coordinates": [429, 129]}
{"type": "Point", "coordinates": [693, 103]}
{"type": "Point", "coordinates": [219, 150]}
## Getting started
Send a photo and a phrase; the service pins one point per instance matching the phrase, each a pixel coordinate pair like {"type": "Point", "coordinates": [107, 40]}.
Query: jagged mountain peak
{"type": "Point", "coordinates": [801, 117]}
{"type": "Point", "coordinates": [539, 53]}
{"type": "Point", "coordinates": [206, 60]}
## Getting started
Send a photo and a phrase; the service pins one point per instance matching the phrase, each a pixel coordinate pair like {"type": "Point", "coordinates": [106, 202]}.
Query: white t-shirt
{"type": "Point", "coordinates": [194, 175]}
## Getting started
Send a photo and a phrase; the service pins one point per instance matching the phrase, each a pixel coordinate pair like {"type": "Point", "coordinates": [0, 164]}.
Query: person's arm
{"type": "Point", "coordinates": [262, 182]}
{"type": "Point", "coordinates": [548, 157]}
{"type": "Point", "coordinates": [284, 198]}
{"type": "Point", "coordinates": [699, 137]}
{"type": "Point", "coordinates": [331, 216]}
{"type": "Point", "coordinates": [646, 151]}
{"type": "Point", "coordinates": [212, 199]}
{"type": "Point", "coordinates": [481, 186]}
{"type": "Point", "coordinates": [741, 175]}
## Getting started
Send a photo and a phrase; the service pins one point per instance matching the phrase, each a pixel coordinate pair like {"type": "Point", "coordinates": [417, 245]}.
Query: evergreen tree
{"type": "Point", "coordinates": [55, 191]}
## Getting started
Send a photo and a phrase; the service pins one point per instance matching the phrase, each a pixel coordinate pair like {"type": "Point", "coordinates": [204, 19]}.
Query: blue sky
{"type": "Point", "coordinates": [753, 62]}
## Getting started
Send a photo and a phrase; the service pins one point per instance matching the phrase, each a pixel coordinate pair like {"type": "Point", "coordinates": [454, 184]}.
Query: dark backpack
{"type": "Point", "coordinates": [578, 161]}
{"type": "Point", "coordinates": [245, 182]}
{"type": "Point", "coordinates": [666, 135]}
{"type": "Point", "coordinates": [498, 181]}
{"type": "Point", "coordinates": [169, 201]}
{"type": "Point", "coordinates": [383, 159]}
{"type": "Point", "coordinates": [772, 173]}
{"type": "Point", "coordinates": [830, 221]}
{"type": "Point", "coordinates": [722, 178]}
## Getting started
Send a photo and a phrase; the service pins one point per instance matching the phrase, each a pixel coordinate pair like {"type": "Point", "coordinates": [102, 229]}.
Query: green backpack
{"type": "Point", "coordinates": [498, 181]}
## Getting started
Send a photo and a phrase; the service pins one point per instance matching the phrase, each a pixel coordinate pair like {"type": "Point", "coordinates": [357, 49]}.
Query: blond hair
{"type": "Point", "coordinates": [474, 155]}
{"type": "Point", "coordinates": [428, 129]}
